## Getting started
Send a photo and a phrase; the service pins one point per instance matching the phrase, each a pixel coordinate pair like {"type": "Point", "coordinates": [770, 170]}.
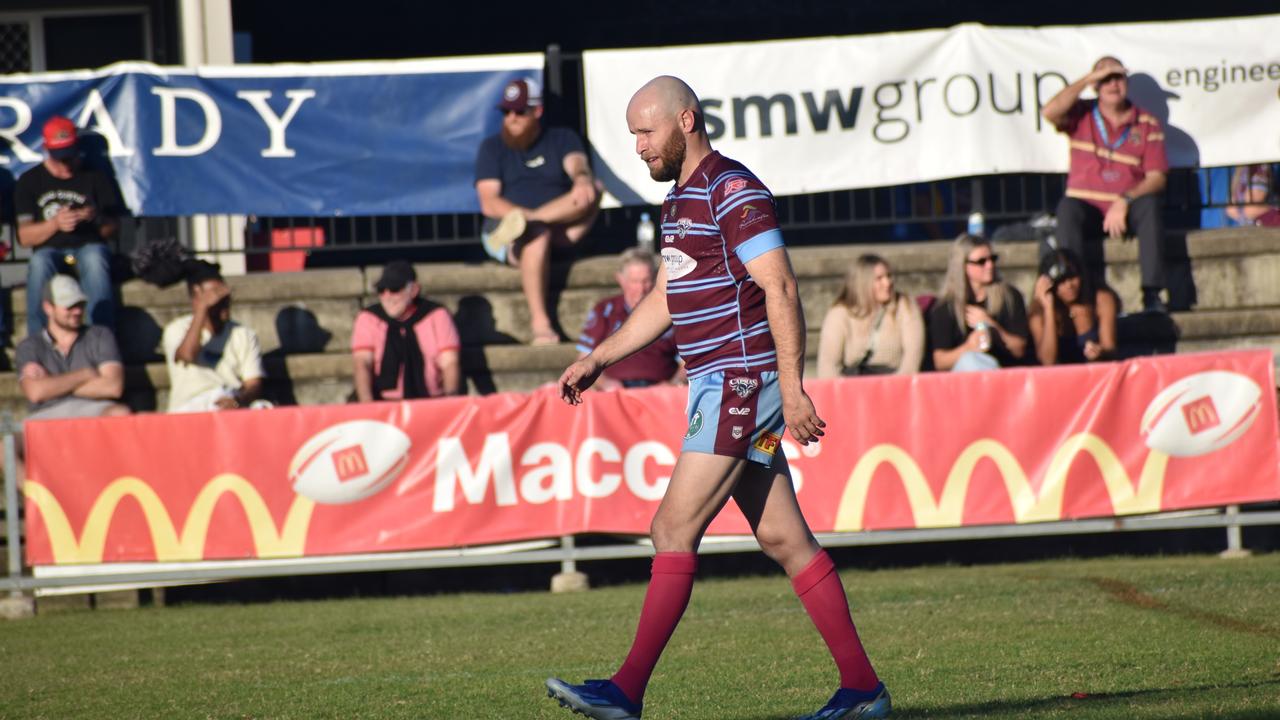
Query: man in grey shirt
{"type": "Point", "coordinates": [69, 370]}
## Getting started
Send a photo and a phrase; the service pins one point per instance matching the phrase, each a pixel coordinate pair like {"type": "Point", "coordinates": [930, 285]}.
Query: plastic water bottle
{"type": "Point", "coordinates": [645, 233]}
{"type": "Point", "coordinates": [977, 224]}
{"type": "Point", "coordinates": [984, 336]}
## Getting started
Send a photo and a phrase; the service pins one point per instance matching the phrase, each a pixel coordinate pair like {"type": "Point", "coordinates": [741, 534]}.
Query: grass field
{"type": "Point", "coordinates": [1112, 638]}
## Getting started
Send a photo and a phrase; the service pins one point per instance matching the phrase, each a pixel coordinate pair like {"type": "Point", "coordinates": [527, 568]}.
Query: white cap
{"type": "Point", "coordinates": [63, 291]}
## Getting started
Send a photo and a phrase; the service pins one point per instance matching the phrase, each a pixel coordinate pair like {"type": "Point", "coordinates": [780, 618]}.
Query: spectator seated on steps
{"type": "Point", "coordinates": [67, 369]}
{"type": "Point", "coordinates": [214, 362]}
{"type": "Point", "coordinates": [537, 194]}
{"type": "Point", "coordinates": [655, 364]}
{"type": "Point", "coordinates": [404, 346]}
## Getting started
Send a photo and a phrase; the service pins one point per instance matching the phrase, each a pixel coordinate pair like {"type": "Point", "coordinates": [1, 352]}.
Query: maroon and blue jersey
{"type": "Point", "coordinates": [721, 219]}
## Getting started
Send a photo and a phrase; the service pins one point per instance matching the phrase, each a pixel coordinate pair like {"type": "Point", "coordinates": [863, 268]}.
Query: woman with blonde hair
{"type": "Point", "coordinates": [872, 329]}
{"type": "Point", "coordinates": [979, 321]}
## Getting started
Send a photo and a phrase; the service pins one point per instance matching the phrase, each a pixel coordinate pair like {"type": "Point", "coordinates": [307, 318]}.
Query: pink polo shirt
{"type": "Point", "coordinates": [436, 334]}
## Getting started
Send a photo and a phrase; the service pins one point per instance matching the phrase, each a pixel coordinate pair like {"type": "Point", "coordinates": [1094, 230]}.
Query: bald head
{"type": "Point", "coordinates": [666, 119]}
{"type": "Point", "coordinates": [667, 95]}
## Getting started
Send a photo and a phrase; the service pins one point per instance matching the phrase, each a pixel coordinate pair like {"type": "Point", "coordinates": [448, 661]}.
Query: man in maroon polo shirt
{"type": "Point", "coordinates": [655, 364]}
{"type": "Point", "coordinates": [1117, 175]}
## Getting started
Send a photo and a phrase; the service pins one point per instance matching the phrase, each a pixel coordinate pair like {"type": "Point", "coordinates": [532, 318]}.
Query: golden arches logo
{"type": "Point", "coordinates": [171, 545]}
{"type": "Point", "coordinates": [1028, 505]}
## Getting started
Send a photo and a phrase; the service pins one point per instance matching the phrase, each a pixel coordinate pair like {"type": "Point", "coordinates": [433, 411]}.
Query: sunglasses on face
{"type": "Point", "coordinates": [993, 258]}
{"type": "Point", "coordinates": [521, 112]}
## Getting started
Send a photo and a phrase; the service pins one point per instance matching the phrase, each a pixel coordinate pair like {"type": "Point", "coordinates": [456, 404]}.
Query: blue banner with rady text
{"type": "Point", "coordinates": [360, 138]}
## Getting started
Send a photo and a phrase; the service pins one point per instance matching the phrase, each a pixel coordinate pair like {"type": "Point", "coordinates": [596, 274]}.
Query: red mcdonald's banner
{"type": "Point", "coordinates": [931, 450]}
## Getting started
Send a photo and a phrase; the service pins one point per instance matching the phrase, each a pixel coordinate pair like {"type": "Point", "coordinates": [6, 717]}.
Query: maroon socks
{"type": "Point", "coordinates": [670, 585]}
{"type": "Point", "coordinates": [820, 590]}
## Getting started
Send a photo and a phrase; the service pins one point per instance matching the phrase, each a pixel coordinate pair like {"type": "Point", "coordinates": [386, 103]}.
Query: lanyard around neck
{"type": "Point", "coordinates": [1102, 130]}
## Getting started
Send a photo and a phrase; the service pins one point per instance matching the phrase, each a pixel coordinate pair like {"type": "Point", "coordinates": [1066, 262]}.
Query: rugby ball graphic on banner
{"type": "Point", "coordinates": [349, 461]}
{"type": "Point", "coordinates": [1201, 413]}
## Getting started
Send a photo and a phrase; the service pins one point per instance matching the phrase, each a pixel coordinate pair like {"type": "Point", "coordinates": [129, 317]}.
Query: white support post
{"type": "Point", "coordinates": [568, 579]}
{"type": "Point", "coordinates": [1235, 545]}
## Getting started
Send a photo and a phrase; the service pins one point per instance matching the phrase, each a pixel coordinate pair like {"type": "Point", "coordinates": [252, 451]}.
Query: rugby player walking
{"type": "Point", "coordinates": [727, 286]}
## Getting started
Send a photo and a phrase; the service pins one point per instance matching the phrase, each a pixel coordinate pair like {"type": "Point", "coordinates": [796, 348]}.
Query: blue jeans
{"type": "Point", "coordinates": [92, 265]}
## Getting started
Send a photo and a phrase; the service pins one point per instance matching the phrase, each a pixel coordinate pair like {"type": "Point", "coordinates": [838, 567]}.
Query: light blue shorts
{"type": "Point", "coordinates": [737, 413]}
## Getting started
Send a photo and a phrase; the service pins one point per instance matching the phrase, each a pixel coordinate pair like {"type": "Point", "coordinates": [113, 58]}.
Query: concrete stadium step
{"type": "Point", "coordinates": [304, 319]}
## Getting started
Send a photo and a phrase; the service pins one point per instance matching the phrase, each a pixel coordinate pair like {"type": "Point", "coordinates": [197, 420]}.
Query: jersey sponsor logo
{"type": "Point", "coordinates": [767, 442]}
{"type": "Point", "coordinates": [736, 432]}
{"type": "Point", "coordinates": [734, 185]}
{"type": "Point", "coordinates": [743, 386]}
{"type": "Point", "coordinates": [739, 411]}
{"type": "Point", "coordinates": [682, 227]}
{"type": "Point", "coordinates": [750, 216]}
{"type": "Point", "coordinates": [535, 162]}
{"type": "Point", "coordinates": [678, 264]}
{"type": "Point", "coordinates": [695, 425]}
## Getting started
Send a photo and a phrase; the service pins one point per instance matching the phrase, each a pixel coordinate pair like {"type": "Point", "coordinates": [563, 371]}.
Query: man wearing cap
{"type": "Point", "coordinates": [214, 362]}
{"type": "Point", "coordinates": [404, 346]}
{"type": "Point", "coordinates": [65, 211]}
{"type": "Point", "coordinates": [1117, 174]}
{"type": "Point", "coordinates": [537, 194]}
{"type": "Point", "coordinates": [67, 369]}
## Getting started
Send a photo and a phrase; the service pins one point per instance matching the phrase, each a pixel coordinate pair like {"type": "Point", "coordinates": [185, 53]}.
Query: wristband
{"type": "Point", "coordinates": [1127, 197]}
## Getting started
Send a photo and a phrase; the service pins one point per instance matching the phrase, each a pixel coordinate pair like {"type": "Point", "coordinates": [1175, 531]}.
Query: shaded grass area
{"type": "Point", "coordinates": [1101, 638]}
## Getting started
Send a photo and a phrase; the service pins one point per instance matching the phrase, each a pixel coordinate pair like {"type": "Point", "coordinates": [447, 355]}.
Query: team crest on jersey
{"type": "Point", "coordinates": [672, 211]}
{"type": "Point", "coordinates": [767, 442]}
{"type": "Point", "coordinates": [695, 425]}
{"type": "Point", "coordinates": [678, 264]}
{"type": "Point", "coordinates": [736, 432]}
{"type": "Point", "coordinates": [743, 386]}
{"type": "Point", "coordinates": [682, 227]}
{"type": "Point", "coordinates": [734, 186]}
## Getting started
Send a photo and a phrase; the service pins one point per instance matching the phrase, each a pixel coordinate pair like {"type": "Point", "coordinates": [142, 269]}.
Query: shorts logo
{"type": "Point", "coordinates": [736, 432]}
{"type": "Point", "coordinates": [739, 411]}
{"type": "Point", "coordinates": [682, 227]}
{"type": "Point", "coordinates": [767, 442]}
{"type": "Point", "coordinates": [734, 186]}
{"type": "Point", "coordinates": [695, 425]}
{"type": "Point", "coordinates": [744, 386]}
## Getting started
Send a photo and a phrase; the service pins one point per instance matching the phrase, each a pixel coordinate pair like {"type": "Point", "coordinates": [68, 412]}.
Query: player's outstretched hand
{"type": "Point", "coordinates": [577, 378]}
{"type": "Point", "coordinates": [802, 419]}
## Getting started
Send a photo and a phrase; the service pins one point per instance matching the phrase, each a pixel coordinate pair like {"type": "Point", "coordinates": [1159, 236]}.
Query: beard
{"type": "Point", "coordinates": [672, 157]}
{"type": "Point", "coordinates": [524, 140]}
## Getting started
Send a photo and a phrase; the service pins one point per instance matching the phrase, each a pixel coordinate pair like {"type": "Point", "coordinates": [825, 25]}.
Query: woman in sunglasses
{"type": "Point", "coordinates": [1071, 320]}
{"type": "Point", "coordinates": [979, 321]}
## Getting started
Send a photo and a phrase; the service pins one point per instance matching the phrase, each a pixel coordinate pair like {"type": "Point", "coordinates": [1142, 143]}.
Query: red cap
{"type": "Point", "coordinates": [59, 136]}
{"type": "Point", "coordinates": [521, 94]}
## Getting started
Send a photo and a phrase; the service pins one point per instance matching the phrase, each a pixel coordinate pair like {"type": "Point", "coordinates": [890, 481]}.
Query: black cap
{"type": "Point", "coordinates": [395, 275]}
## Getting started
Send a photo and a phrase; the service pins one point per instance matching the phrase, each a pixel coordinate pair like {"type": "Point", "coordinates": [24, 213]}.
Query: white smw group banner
{"type": "Point", "coordinates": [876, 110]}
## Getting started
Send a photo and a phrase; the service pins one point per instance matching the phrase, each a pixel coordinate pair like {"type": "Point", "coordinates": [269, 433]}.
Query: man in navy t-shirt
{"type": "Point", "coordinates": [537, 194]}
